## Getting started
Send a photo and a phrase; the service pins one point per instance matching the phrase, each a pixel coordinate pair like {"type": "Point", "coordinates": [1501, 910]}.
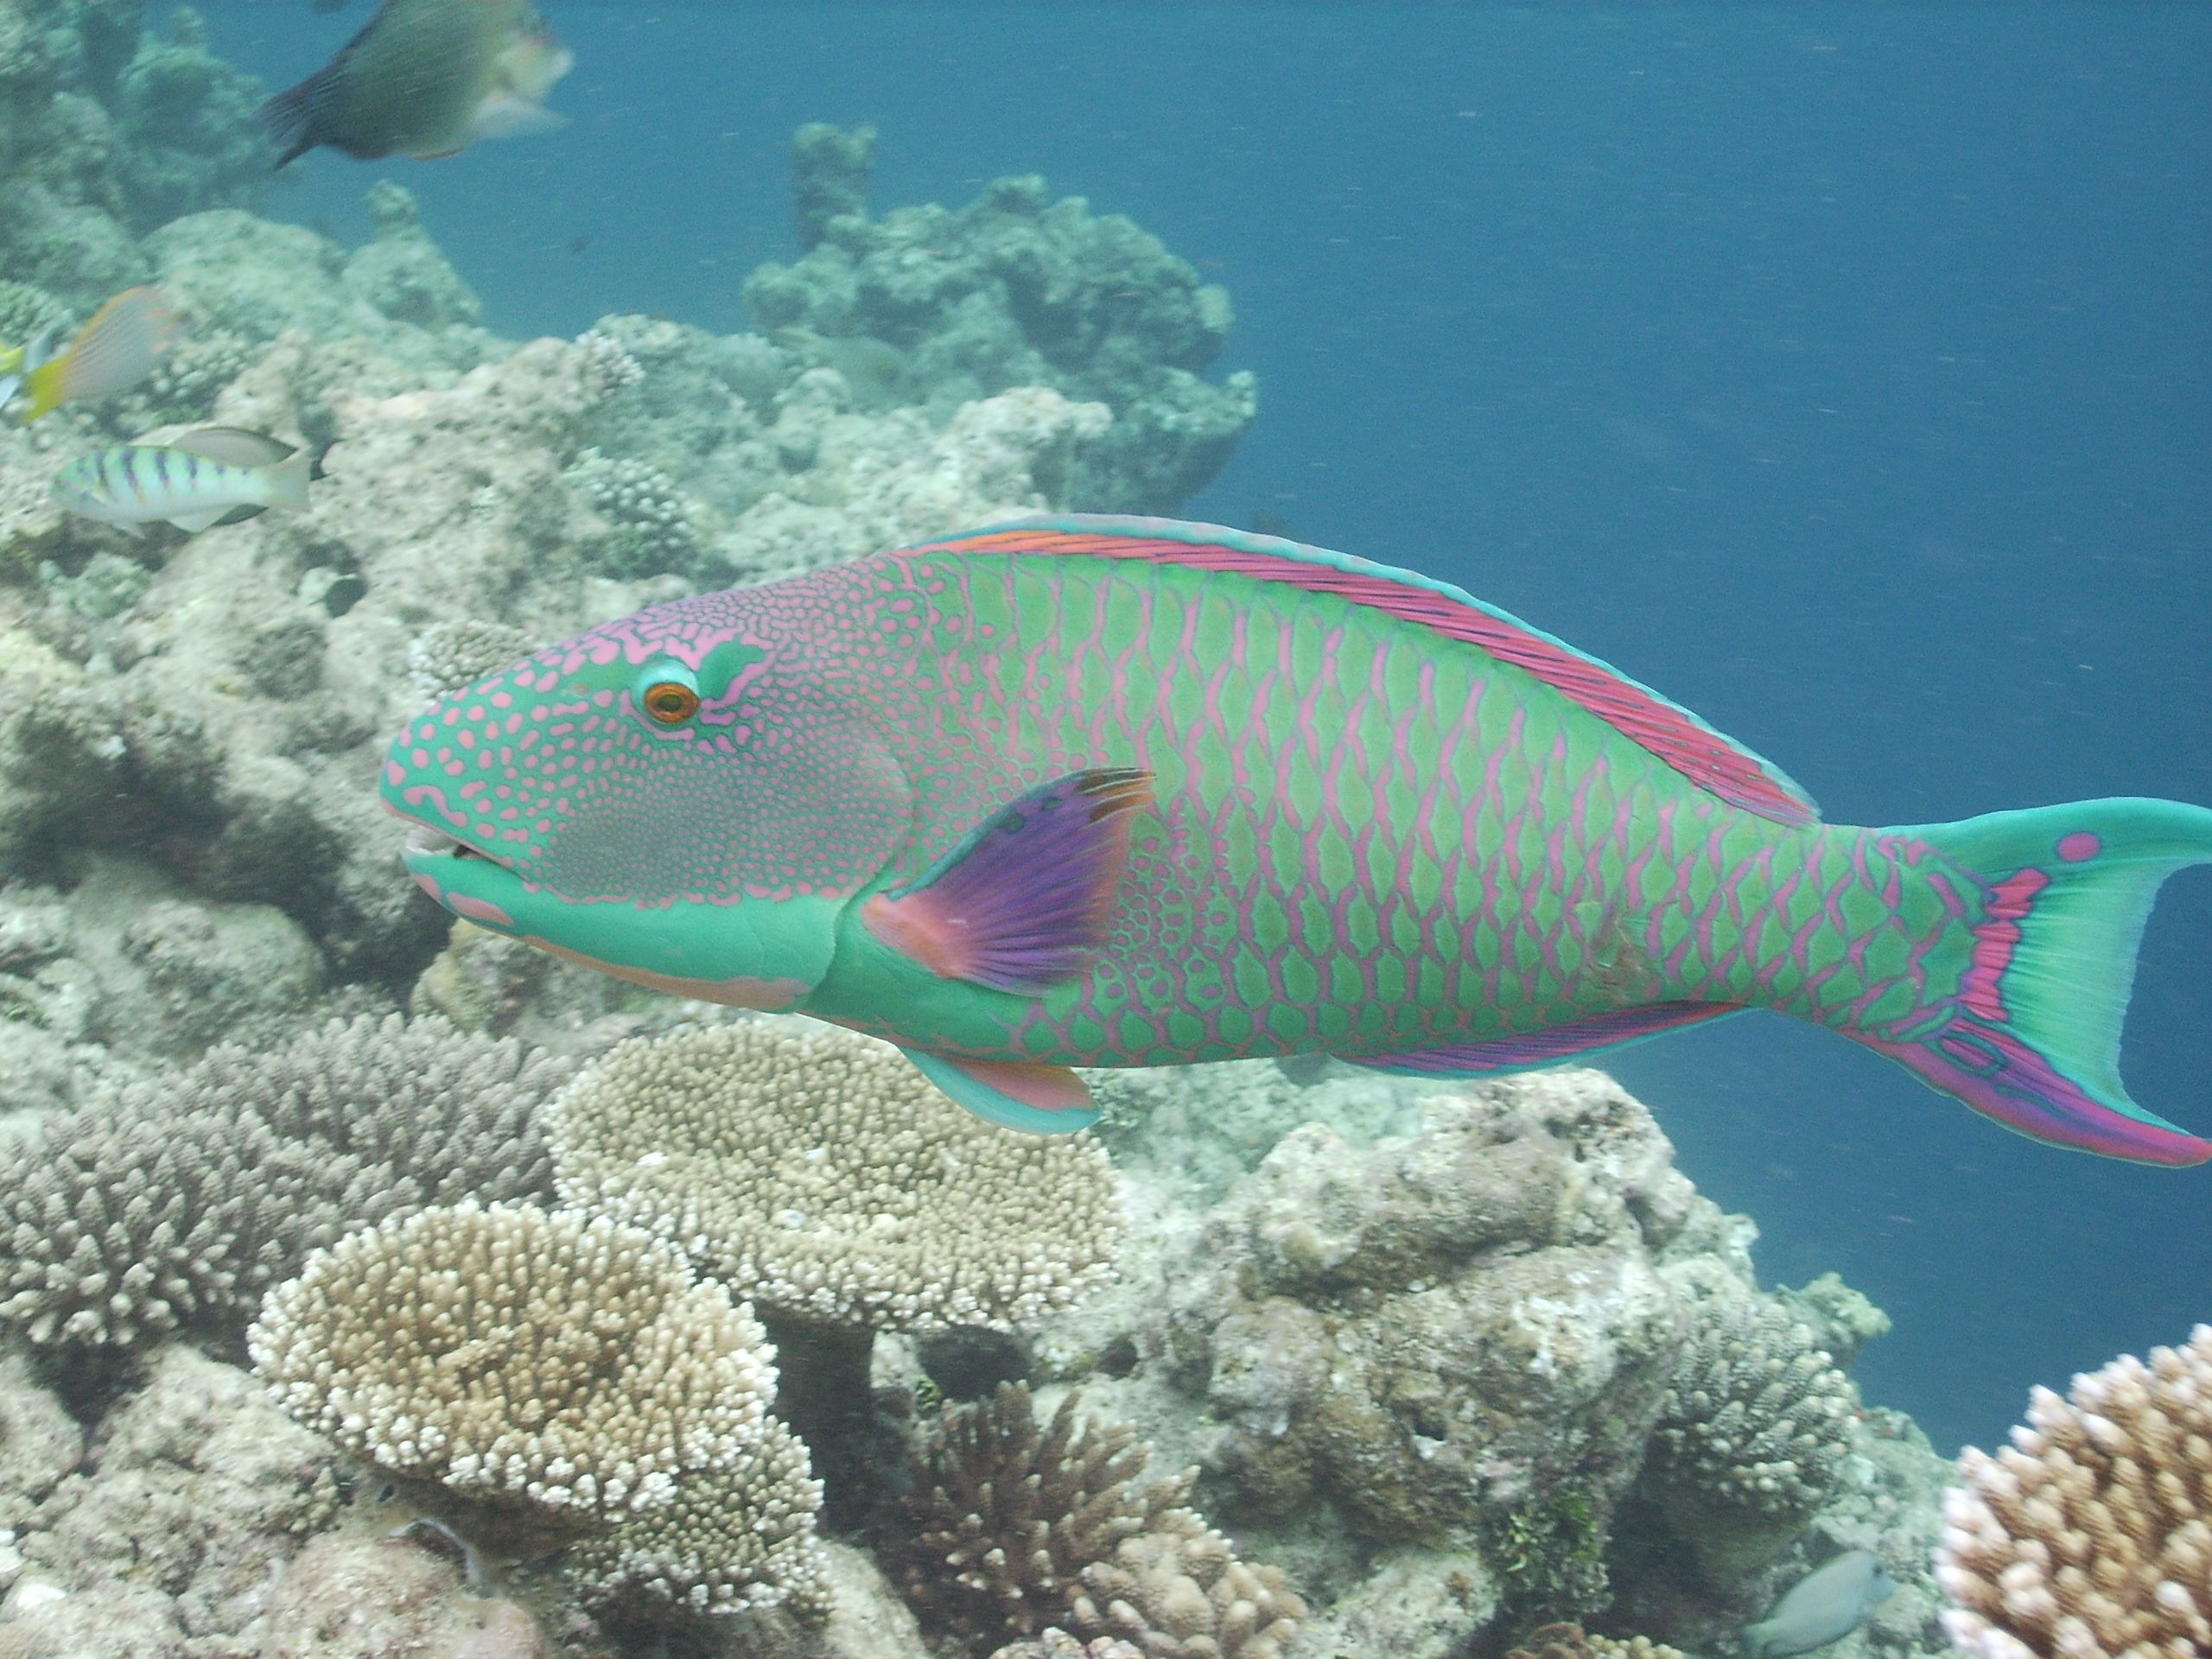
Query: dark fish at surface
{"type": "Point", "coordinates": [424, 78]}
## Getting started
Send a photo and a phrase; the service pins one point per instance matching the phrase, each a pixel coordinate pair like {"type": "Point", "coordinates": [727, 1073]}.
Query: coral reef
{"type": "Point", "coordinates": [1017, 290]}
{"type": "Point", "coordinates": [193, 1493]}
{"type": "Point", "coordinates": [173, 1203]}
{"type": "Point", "coordinates": [818, 1172]}
{"type": "Point", "coordinates": [447, 1350]}
{"type": "Point", "coordinates": [1018, 1527]}
{"type": "Point", "coordinates": [2090, 1536]}
{"type": "Point", "coordinates": [1752, 1433]}
{"type": "Point", "coordinates": [1573, 1642]}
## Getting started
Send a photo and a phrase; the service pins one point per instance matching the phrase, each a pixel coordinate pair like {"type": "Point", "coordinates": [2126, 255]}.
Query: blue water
{"type": "Point", "coordinates": [1842, 372]}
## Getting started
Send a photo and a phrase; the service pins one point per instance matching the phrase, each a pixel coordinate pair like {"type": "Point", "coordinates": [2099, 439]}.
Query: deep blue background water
{"type": "Point", "coordinates": [1842, 372]}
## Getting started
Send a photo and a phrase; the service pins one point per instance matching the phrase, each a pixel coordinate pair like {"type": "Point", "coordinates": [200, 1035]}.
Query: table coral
{"type": "Point", "coordinates": [449, 1349]}
{"type": "Point", "coordinates": [819, 1174]}
{"type": "Point", "coordinates": [2090, 1536]}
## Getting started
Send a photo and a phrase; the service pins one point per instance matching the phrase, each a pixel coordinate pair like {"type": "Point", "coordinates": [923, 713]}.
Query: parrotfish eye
{"type": "Point", "coordinates": [671, 703]}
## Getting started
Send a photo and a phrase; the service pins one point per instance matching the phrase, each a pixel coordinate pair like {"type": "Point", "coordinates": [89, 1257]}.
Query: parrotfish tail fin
{"type": "Point", "coordinates": [113, 353]}
{"type": "Point", "coordinates": [2033, 1039]}
{"type": "Point", "coordinates": [291, 118]}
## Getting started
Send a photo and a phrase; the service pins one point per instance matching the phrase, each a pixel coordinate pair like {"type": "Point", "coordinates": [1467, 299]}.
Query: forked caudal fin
{"type": "Point", "coordinates": [2034, 1037]}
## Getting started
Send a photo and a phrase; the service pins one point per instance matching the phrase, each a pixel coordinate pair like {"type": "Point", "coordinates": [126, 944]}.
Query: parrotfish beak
{"type": "Point", "coordinates": [466, 879]}
{"type": "Point", "coordinates": [699, 951]}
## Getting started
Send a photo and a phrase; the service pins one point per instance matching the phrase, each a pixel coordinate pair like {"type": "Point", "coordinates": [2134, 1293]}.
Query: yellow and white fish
{"type": "Point", "coordinates": [113, 353]}
{"type": "Point", "coordinates": [211, 475]}
{"type": "Point", "coordinates": [425, 78]}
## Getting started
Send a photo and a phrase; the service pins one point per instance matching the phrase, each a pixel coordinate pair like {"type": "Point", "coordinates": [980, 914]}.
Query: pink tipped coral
{"type": "Point", "coordinates": [2090, 1536]}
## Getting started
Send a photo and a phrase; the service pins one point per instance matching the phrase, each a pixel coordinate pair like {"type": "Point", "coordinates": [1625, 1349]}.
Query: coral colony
{"type": "Point", "coordinates": [370, 1282]}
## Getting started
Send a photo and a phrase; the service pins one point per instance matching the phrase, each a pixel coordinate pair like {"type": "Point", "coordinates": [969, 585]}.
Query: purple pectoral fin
{"type": "Point", "coordinates": [1024, 901]}
{"type": "Point", "coordinates": [1577, 1041]}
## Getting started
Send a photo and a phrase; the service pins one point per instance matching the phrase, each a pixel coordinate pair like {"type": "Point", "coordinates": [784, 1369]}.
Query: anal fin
{"type": "Point", "coordinates": [1615, 1028]}
{"type": "Point", "coordinates": [1013, 1094]}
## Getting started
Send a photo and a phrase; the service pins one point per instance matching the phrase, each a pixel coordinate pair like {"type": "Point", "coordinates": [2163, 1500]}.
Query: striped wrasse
{"type": "Point", "coordinates": [1109, 792]}
{"type": "Point", "coordinates": [212, 475]}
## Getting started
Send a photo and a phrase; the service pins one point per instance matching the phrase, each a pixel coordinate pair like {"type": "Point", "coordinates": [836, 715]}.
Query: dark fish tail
{"type": "Point", "coordinates": [295, 118]}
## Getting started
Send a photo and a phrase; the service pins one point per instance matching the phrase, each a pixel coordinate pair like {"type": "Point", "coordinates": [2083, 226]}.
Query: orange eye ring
{"type": "Point", "coordinates": [671, 703]}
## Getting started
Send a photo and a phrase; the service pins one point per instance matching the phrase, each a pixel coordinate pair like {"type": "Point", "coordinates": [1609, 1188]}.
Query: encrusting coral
{"type": "Point", "coordinates": [542, 1377]}
{"type": "Point", "coordinates": [175, 1203]}
{"type": "Point", "coordinates": [1018, 1526]}
{"type": "Point", "coordinates": [2090, 1536]}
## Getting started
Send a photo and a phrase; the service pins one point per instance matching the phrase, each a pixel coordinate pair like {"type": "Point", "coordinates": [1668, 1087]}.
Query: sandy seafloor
{"type": "Point", "coordinates": [1873, 349]}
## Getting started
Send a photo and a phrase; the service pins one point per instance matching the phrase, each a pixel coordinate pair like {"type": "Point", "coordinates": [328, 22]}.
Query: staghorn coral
{"type": "Point", "coordinates": [1018, 1527]}
{"type": "Point", "coordinates": [1752, 1434]}
{"type": "Point", "coordinates": [545, 1378]}
{"type": "Point", "coordinates": [2090, 1536]}
{"type": "Point", "coordinates": [819, 1172]}
{"type": "Point", "coordinates": [174, 1204]}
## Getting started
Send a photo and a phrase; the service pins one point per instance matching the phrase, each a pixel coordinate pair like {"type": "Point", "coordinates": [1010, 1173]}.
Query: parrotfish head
{"type": "Point", "coordinates": [674, 799]}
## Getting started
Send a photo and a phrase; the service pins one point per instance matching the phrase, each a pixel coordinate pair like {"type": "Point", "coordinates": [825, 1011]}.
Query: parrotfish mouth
{"type": "Point", "coordinates": [424, 842]}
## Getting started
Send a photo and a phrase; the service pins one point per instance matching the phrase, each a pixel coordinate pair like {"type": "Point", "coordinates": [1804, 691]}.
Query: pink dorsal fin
{"type": "Point", "coordinates": [1668, 730]}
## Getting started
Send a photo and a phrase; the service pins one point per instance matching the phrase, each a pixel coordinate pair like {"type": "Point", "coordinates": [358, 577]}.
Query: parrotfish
{"type": "Point", "coordinates": [113, 353]}
{"type": "Point", "coordinates": [1077, 792]}
{"type": "Point", "coordinates": [212, 475]}
{"type": "Point", "coordinates": [425, 78]}
{"type": "Point", "coordinates": [1826, 1605]}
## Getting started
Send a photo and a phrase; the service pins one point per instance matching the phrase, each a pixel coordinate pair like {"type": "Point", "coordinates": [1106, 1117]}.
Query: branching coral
{"type": "Point", "coordinates": [1753, 1434]}
{"type": "Point", "coordinates": [654, 528]}
{"type": "Point", "coordinates": [447, 655]}
{"type": "Point", "coordinates": [176, 1203]}
{"type": "Point", "coordinates": [820, 1174]}
{"type": "Point", "coordinates": [1572, 1641]}
{"type": "Point", "coordinates": [2090, 1536]}
{"type": "Point", "coordinates": [817, 1173]}
{"type": "Point", "coordinates": [1018, 1527]}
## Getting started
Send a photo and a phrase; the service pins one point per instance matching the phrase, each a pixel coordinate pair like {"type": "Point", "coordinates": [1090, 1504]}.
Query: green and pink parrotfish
{"type": "Point", "coordinates": [1109, 792]}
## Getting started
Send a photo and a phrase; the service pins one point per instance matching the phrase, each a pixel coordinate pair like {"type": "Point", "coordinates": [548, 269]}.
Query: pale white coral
{"type": "Point", "coordinates": [817, 1172]}
{"type": "Point", "coordinates": [558, 1363]}
{"type": "Point", "coordinates": [2090, 1536]}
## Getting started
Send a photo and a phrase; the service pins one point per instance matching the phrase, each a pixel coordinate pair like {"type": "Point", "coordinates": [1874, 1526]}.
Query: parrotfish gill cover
{"type": "Point", "coordinates": [1076, 793]}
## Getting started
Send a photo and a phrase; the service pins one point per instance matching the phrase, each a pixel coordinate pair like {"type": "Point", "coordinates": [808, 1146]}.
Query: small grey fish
{"type": "Point", "coordinates": [1826, 1605]}
{"type": "Point", "coordinates": [212, 475]}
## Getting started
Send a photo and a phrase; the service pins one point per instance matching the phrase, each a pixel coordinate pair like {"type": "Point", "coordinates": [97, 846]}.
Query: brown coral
{"type": "Point", "coordinates": [1573, 1642]}
{"type": "Point", "coordinates": [547, 1378]}
{"type": "Point", "coordinates": [1019, 1528]}
{"type": "Point", "coordinates": [2090, 1536]}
